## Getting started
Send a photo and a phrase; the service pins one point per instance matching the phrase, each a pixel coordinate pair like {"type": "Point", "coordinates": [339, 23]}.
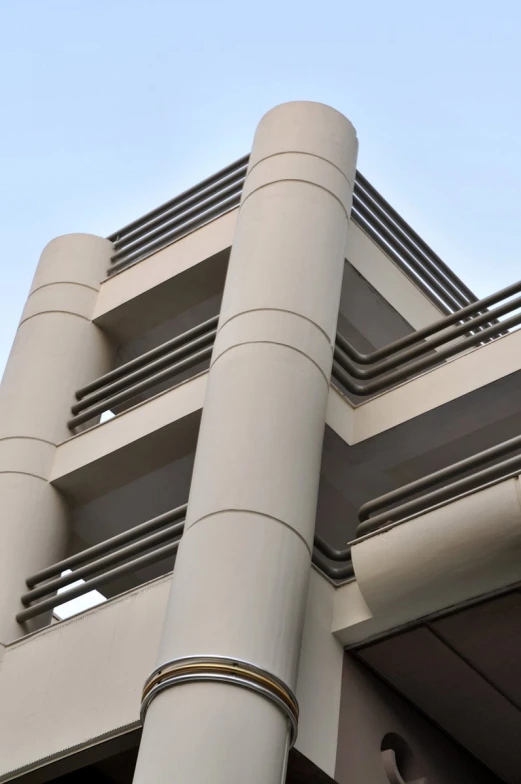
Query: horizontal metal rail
{"type": "Point", "coordinates": [184, 217]}
{"type": "Point", "coordinates": [221, 192]}
{"type": "Point", "coordinates": [186, 228]}
{"type": "Point", "coordinates": [424, 503]}
{"type": "Point", "coordinates": [141, 386]}
{"type": "Point", "coordinates": [96, 582]}
{"type": "Point", "coordinates": [97, 550]}
{"type": "Point", "coordinates": [426, 483]}
{"type": "Point", "coordinates": [94, 562]}
{"type": "Point", "coordinates": [195, 345]}
{"type": "Point", "coordinates": [168, 219]}
{"type": "Point", "coordinates": [323, 553]}
{"type": "Point", "coordinates": [378, 221]}
{"type": "Point", "coordinates": [112, 559]}
{"type": "Point", "coordinates": [461, 330]}
{"type": "Point", "coordinates": [425, 332]}
{"type": "Point", "coordinates": [447, 282]}
{"type": "Point", "coordinates": [187, 212]}
{"type": "Point", "coordinates": [144, 359]}
{"type": "Point", "coordinates": [170, 359]}
{"type": "Point", "coordinates": [340, 372]}
{"type": "Point", "coordinates": [163, 209]}
{"type": "Point", "coordinates": [330, 552]}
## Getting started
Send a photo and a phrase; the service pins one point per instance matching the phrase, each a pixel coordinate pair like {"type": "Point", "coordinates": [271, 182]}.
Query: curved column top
{"type": "Point", "coordinates": [310, 128]}
{"type": "Point", "coordinates": [288, 252]}
{"type": "Point", "coordinates": [73, 258]}
{"type": "Point", "coordinates": [68, 276]}
{"type": "Point", "coordinates": [56, 350]}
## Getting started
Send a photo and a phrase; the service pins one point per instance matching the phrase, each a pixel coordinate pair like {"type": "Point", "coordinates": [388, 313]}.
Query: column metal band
{"type": "Point", "coordinates": [223, 670]}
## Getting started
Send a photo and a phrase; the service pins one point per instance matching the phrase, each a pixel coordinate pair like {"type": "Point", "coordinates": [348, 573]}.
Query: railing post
{"type": "Point", "coordinates": [56, 350]}
{"type": "Point", "coordinates": [220, 707]}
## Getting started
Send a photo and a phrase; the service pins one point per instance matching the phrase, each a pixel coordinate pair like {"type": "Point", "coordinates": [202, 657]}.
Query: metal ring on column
{"type": "Point", "coordinates": [223, 670]}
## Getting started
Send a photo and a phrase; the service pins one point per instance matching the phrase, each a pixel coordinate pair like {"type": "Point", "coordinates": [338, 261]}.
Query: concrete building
{"type": "Point", "coordinates": [280, 438]}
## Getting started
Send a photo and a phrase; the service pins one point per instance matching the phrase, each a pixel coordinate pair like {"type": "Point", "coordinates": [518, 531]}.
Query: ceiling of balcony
{"type": "Point", "coordinates": [463, 671]}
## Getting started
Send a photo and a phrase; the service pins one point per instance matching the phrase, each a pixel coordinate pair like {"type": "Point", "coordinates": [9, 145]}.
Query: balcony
{"type": "Point", "coordinates": [401, 370]}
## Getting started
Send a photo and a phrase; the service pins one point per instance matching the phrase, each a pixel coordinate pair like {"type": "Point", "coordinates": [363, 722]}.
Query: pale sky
{"type": "Point", "coordinates": [110, 107]}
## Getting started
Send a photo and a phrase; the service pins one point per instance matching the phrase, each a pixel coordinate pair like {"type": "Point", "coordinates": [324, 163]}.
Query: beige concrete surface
{"type": "Point", "coordinates": [251, 512]}
{"type": "Point", "coordinates": [452, 554]}
{"type": "Point", "coordinates": [56, 350]}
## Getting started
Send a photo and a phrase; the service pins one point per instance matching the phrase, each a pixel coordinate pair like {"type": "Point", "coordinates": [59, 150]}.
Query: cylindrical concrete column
{"type": "Point", "coordinates": [56, 350]}
{"type": "Point", "coordinates": [219, 708]}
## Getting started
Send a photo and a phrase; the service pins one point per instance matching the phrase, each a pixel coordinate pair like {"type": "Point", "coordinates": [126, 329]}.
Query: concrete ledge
{"type": "Point", "coordinates": [456, 378]}
{"type": "Point", "coordinates": [72, 684]}
{"type": "Point", "coordinates": [455, 553]}
{"type": "Point", "coordinates": [124, 291]}
{"type": "Point", "coordinates": [150, 434]}
{"type": "Point", "coordinates": [78, 683]}
{"type": "Point", "coordinates": [393, 284]}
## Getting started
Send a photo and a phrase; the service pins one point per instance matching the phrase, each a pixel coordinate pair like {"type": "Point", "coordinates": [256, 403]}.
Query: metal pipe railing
{"type": "Point", "coordinates": [94, 562]}
{"type": "Point", "coordinates": [187, 212]}
{"type": "Point", "coordinates": [470, 483]}
{"type": "Point", "coordinates": [144, 359]}
{"type": "Point", "coordinates": [117, 557]}
{"type": "Point", "coordinates": [107, 392]}
{"type": "Point", "coordinates": [171, 221]}
{"type": "Point", "coordinates": [96, 582]}
{"type": "Point", "coordinates": [78, 559]}
{"type": "Point", "coordinates": [330, 552]}
{"type": "Point", "coordinates": [118, 236]}
{"type": "Point", "coordinates": [195, 345]}
{"type": "Point", "coordinates": [186, 228]}
{"type": "Point", "coordinates": [141, 386]}
{"type": "Point", "coordinates": [422, 348]}
{"type": "Point", "coordinates": [426, 483]}
{"type": "Point", "coordinates": [184, 215]}
{"type": "Point", "coordinates": [168, 218]}
{"type": "Point", "coordinates": [435, 263]}
{"type": "Point", "coordinates": [401, 246]}
{"type": "Point", "coordinates": [405, 373]}
{"type": "Point", "coordinates": [431, 329]}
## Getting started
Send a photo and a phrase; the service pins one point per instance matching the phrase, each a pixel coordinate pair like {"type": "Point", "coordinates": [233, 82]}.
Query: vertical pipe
{"type": "Point", "coordinates": [56, 350]}
{"type": "Point", "coordinates": [219, 708]}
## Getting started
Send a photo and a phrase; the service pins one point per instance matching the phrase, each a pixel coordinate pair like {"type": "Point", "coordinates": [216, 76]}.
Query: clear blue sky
{"type": "Point", "coordinates": [110, 107]}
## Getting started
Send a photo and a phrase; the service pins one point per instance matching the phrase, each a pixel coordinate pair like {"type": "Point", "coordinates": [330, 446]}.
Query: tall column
{"type": "Point", "coordinates": [220, 707]}
{"type": "Point", "coordinates": [56, 350]}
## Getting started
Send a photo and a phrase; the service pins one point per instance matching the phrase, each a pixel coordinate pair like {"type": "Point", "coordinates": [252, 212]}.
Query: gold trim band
{"type": "Point", "coordinates": [224, 670]}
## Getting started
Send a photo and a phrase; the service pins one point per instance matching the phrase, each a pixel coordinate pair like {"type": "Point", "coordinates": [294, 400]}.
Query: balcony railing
{"type": "Point", "coordinates": [221, 193]}
{"type": "Point", "coordinates": [161, 364]}
{"type": "Point", "coordinates": [159, 538]}
{"type": "Point", "coordinates": [187, 212]}
{"type": "Point", "coordinates": [407, 249]}
{"type": "Point", "coordinates": [360, 374]}
{"type": "Point", "coordinates": [460, 478]}
{"type": "Point", "coordinates": [402, 360]}
{"type": "Point", "coordinates": [126, 553]}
